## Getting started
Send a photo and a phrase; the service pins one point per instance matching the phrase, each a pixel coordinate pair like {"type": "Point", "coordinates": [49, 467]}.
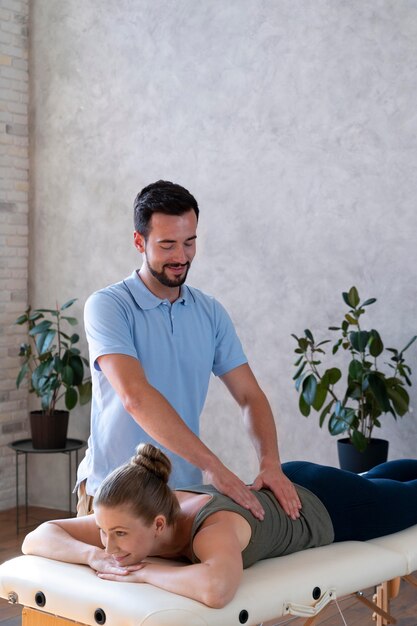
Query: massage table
{"type": "Point", "coordinates": [300, 584]}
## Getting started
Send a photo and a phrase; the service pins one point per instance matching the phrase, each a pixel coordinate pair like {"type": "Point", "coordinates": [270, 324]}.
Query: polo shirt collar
{"type": "Point", "coordinates": [145, 298]}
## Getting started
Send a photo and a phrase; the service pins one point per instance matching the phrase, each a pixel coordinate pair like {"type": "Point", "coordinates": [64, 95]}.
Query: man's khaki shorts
{"type": "Point", "coordinates": [85, 502]}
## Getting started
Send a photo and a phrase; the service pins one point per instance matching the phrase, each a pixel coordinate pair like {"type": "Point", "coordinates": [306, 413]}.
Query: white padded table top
{"type": "Point", "coordinates": [404, 542]}
{"type": "Point", "coordinates": [268, 589]}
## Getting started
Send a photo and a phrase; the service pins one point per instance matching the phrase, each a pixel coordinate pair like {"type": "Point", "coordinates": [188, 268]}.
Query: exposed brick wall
{"type": "Point", "coordinates": [14, 182]}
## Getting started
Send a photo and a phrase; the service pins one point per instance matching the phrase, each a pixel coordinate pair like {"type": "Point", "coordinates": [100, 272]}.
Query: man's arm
{"type": "Point", "coordinates": [259, 421]}
{"type": "Point", "coordinates": [158, 418]}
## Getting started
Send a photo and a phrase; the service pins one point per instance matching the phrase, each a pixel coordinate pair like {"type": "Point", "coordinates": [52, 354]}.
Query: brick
{"type": "Point", "coordinates": [10, 96]}
{"type": "Point", "coordinates": [14, 73]}
{"type": "Point", "coordinates": [17, 240]}
{"type": "Point", "coordinates": [5, 60]}
{"type": "Point", "coordinates": [7, 206]}
{"type": "Point", "coordinates": [14, 5]}
{"type": "Point", "coordinates": [6, 117]}
{"type": "Point", "coordinates": [4, 15]}
{"type": "Point", "coordinates": [5, 38]}
{"type": "Point", "coordinates": [12, 427]}
{"type": "Point", "coordinates": [17, 196]}
{"type": "Point", "coordinates": [21, 130]}
{"type": "Point", "coordinates": [21, 163]}
{"type": "Point", "coordinates": [21, 19]}
{"type": "Point", "coordinates": [17, 107]}
{"type": "Point", "coordinates": [19, 296]}
{"type": "Point", "coordinates": [14, 51]}
{"type": "Point", "coordinates": [17, 150]}
{"type": "Point", "coordinates": [22, 64]}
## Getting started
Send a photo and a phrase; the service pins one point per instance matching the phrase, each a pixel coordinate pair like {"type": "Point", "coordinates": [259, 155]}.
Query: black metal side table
{"type": "Point", "coordinates": [25, 447]}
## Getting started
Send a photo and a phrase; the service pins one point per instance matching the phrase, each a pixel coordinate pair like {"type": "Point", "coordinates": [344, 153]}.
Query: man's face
{"type": "Point", "coordinates": [170, 247]}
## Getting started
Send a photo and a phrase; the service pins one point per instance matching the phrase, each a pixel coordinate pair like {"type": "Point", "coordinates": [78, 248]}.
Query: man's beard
{"type": "Point", "coordinates": [163, 278]}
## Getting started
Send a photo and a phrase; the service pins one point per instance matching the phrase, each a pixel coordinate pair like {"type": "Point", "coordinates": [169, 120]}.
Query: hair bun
{"type": "Point", "coordinates": [153, 460]}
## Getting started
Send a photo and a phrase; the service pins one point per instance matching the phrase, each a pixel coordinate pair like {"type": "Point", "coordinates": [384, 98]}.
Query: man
{"type": "Point", "coordinates": [154, 342]}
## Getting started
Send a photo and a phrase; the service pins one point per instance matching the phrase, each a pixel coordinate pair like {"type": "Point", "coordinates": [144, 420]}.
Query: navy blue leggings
{"type": "Point", "coordinates": [380, 502]}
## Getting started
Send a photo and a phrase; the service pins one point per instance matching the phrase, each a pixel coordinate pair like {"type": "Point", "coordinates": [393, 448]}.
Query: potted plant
{"type": "Point", "coordinates": [55, 370]}
{"type": "Point", "coordinates": [368, 393]}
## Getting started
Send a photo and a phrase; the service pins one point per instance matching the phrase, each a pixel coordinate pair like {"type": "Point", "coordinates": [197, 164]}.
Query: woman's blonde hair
{"type": "Point", "coordinates": [142, 484]}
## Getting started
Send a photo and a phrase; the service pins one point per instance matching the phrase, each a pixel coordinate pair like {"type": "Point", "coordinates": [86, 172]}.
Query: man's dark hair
{"type": "Point", "coordinates": [161, 197]}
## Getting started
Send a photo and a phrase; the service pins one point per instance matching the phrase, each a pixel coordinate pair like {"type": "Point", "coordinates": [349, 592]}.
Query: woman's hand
{"type": "Point", "coordinates": [131, 574]}
{"type": "Point", "coordinates": [103, 563]}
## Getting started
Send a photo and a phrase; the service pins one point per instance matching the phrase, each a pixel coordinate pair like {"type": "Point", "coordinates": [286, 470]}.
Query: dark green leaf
{"type": "Point", "coordinates": [336, 346]}
{"type": "Point", "coordinates": [299, 370]}
{"type": "Point", "coordinates": [350, 319]}
{"type": "Point", "coordinates": [71, 398]}
{"type": "Point", "coordinates": [74, 338]}
{"type": "Point", "coordinates": [304, 407]}
{"type": "Point", "coordinates": [303, 344]}
{"type": "Point", "coordinates": [375, 344]}
{"type": "Point", "coordinates": [359, 340]}
{"type": "Point", "coordinates": [334, 328]}
{"type": "Point", "coordinates": [409, 344]}
{"type": "Point", "coordinates": [309, 335]}
{"type": "Point", "coordinates": [359, 441]}
{"type": "Point", "coordinates": [368, 302]}
{"type": "Point", "coordinates": [400, 399]}
{"type": "Point", "coordinates": [321, 395]}
{"type": "Point", "coordinates": [22, 374]}
{"type": "Point", "coordinates": [298, 361]}
{"type": "Point", "coordinates": [299, 381]}
{"type": "Point", "coordinates": [40, 328]}
{"type": "Point", "coordinates": [67, 375]}
{"type": "Point", "coordinates": [345, 297]}
{"type": "Point", "coordinates": [309, 389]}
{"type": "Point", "coordinates": [71, 320]}
{"type": "Point", "coordinates": [22, 319]}
{"type": "Point", "coordinates": [68, 304]}
{"type": "Point", "coordinates": [337, 426]}
{"type": "Point", "coordinates": [58, 364]}
{"type": "Point", "coordinates": [356, 370]}
{"type": "Point", "coordinates": [325, 411]}
{"type": "Point", "coordinates": [44, 341]}
{"type": "Point", "coordinates": [84, 391]}
{"type": "Point", "coordinates": [36, 315]}
{"type": "Point", "coordinates": [353, 297]}
{"type": "Point", "coordinates": [78, 370]}
{"type": "Point", "coordinates": [332, 375]}
{"type": "Point", "coordinates": [379, 391]}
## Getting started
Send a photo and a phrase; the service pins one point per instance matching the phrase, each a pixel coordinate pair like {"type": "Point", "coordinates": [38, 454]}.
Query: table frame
{"type": "Point", "coordinates": [25, 447]}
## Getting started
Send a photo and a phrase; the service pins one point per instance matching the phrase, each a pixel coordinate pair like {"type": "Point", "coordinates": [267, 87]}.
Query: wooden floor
{"type": "Point", "coordinates": [404, 608]}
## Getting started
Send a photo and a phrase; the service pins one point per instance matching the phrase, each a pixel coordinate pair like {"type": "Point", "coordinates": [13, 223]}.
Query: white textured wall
{"type": "Point", "coordinates": [293, 123]}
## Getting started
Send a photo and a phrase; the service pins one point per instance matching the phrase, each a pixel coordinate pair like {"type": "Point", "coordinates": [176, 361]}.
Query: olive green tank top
{"type": "Point", "coordinates": [277, 534]}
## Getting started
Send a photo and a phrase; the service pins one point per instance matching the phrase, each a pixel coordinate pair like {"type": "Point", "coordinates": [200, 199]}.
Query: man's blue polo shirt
{"type": "Point", "coordinates": [178, 346]}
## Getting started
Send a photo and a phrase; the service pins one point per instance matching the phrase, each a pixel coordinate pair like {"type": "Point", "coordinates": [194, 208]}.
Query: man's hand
{"type": "Point", "coordinates": [282, 488]}
{"type": "Point", "coordinates": [230, 485]}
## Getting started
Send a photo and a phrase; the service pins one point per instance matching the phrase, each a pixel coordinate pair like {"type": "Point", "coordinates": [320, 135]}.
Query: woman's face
{"type": "Point", "coordinates": [125, 536]}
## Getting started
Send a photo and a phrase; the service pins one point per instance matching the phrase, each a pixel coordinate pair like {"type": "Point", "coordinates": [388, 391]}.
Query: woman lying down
{"type": "Point", "coordinates": [138, 516]}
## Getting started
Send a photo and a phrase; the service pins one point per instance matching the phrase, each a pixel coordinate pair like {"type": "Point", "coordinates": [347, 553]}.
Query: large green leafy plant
{"type": "Point", "coordinates": [368, 391]}
{"type": "Point", "coordinates": [50, 361]}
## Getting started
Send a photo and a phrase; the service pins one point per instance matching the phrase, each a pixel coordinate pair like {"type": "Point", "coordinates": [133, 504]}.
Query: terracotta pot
{"type": "Point", "coordinates": [354, 461]}
{"type": "Point", "coordinates": [49, 432]}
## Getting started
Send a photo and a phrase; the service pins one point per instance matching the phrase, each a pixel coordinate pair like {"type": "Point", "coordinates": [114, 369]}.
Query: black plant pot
{"type": "Point", "coordinates": [49, 432]}
{"type": "Point", "coordinates": [354, 461]}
